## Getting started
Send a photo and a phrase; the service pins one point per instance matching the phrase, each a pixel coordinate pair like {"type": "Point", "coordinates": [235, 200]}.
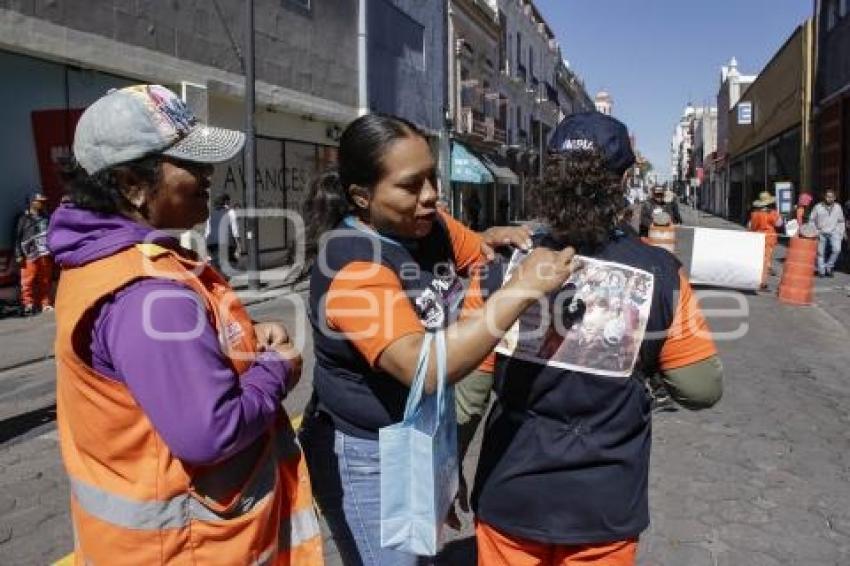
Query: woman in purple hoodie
{"type": "Point", "coordinates": [169, 396]}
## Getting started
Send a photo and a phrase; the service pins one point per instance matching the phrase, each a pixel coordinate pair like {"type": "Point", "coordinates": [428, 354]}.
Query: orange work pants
{"type": "Point", "coordinates": [36, 281]}
{"type": "Point", "coordinates": [499, 549]}
{"type": "Point", "coordinates": [770, 241]}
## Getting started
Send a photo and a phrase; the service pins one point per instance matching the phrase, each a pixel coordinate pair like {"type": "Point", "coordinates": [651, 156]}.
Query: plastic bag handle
{"type": "Point", "coordinates": [418, 383]}
{"type": "Point", "coordinates": [417, 386]}
{"type": "Point", "coordinates": [442, 373]}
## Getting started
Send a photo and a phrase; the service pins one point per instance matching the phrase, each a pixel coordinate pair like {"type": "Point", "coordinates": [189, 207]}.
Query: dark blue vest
{"type": "Point", "coordinates": [565, 458]}
{"type": "Point", "coordinates": [359, 399]}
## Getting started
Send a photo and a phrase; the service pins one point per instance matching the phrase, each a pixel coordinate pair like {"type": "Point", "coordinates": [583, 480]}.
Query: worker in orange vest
{"type": "Point", "coordinates": [765, 219]}
{"type": "Point", "coordinates": [168, 395]}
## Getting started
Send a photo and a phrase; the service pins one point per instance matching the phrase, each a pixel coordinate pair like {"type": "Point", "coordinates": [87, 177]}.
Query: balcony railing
{"type": "Point", "coordinates": [500, 133]}
{"type": "Point", "coordinates": [487, 128]}
{"type": "Point", "coordinates": [473, 122]}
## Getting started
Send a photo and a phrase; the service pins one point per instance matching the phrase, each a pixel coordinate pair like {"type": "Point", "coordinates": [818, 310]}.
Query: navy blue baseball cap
{"type": "Point", "coordinates": [593, 130]}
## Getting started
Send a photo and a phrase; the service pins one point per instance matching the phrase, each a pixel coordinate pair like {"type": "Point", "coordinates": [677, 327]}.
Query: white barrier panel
{"type": "Point", "coordinates": [721, 258]}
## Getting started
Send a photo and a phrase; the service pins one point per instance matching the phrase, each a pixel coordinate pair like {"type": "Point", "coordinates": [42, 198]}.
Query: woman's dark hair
{"type": "Point", "coordinates": [579, 199]}
{"type": "Point", "coordinates": [102, 192]}
{"type": "Point", "coordinates": [362, 147]}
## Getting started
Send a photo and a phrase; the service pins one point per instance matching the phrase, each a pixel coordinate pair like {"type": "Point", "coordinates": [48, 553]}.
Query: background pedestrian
{"type": "Point", "coordinates": [765, 219]}
{"type": "Point", "coordinates": [659, 202]}
{"type": "Point", "coordinates": [33, 256]}
{"type": "Point", "coordinates": [804, 207]}
{"type": "Point", "coordinates": [222, 235]}
{"type": "Point", "coordinates": [828, 218]}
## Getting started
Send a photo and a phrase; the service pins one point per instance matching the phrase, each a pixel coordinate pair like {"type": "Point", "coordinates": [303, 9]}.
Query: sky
{"type": "Point", "coordinates": [654, 56]}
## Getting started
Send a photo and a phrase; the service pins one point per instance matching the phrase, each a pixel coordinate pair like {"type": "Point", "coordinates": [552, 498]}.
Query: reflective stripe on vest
{"type": "Point", "coordinates": [303, 525]}
{"type": "Point", "coordinates": [173, 513]}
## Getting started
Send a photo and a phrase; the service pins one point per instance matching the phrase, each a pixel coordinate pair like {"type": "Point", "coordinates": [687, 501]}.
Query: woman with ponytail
{"type": "Point", "coordinates": [386, 270]}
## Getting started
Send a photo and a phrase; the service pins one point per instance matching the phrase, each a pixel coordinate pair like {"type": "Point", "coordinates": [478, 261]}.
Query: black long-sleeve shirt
{"type": "Point", "coordinates": [31, 236]}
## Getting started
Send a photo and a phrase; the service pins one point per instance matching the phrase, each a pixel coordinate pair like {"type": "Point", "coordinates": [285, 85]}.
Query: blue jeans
{"type": "Point", "coordinates": [346, 478]}
{"type": "Point", "coordinates": [834, 249]}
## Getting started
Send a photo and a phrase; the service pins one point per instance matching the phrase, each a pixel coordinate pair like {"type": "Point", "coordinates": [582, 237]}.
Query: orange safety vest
{"type": "Point", "coordinates": [764, 221]}
{"type": "Point", "coordinates": [132, 501]}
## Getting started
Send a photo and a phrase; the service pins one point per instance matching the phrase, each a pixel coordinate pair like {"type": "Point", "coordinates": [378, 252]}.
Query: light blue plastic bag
{"type": "Point", "coordinates": [419, 467]}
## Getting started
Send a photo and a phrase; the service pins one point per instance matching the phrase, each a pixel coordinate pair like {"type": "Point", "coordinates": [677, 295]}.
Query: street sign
{"type": "Point", "coordinates": [745, 113]}
{"type": "Point", "coordinates": [784, 192]}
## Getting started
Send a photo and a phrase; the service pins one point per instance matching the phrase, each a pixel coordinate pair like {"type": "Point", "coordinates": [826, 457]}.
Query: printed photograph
{"type": "Point", "coordinates": [593, 324]}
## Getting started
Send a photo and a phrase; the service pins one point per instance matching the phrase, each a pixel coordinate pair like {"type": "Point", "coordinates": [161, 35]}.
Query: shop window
{"type": "Point", "coordinates": [736, 191]}
{"type": "Point", "coordinates": [783, 159]}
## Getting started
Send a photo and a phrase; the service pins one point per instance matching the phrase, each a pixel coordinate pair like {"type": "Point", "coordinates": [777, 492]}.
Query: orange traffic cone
{"type": "Point", "coordinates": [797, 284]}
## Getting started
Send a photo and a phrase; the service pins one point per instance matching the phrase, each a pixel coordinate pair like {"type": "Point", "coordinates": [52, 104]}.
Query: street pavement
{"type": "Point", "coordinates": [761, 479]}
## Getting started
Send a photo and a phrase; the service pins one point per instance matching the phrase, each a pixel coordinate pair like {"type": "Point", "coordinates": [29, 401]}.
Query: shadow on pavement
{"type": "Point", "coordinates": [21, 424]}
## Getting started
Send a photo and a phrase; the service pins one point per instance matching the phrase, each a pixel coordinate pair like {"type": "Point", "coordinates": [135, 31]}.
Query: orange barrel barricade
{"type": "Point", "coordinates": [662, 237]}
{"type": "Point", "coordinates": [797, 284]}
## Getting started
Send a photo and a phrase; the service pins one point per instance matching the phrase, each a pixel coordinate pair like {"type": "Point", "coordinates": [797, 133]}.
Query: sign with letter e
{"type": "Point", "coordinates": [745, 113]}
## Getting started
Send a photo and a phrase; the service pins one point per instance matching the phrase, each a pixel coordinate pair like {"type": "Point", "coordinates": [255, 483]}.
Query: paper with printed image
{"type": "Point", "coordinates": [594, 324]}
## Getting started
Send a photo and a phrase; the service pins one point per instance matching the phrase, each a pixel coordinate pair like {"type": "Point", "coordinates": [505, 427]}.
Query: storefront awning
{"type": "Point", "coordinates": [468, 168]}
{"type": "Point", "coordinates": [503, 174]}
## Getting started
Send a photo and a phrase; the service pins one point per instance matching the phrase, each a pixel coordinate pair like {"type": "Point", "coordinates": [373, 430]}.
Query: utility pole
{"type": "Point", "coordinates": [250, 154]}
{"type": "Point", "coordinates": [540, 130]}
{"type": "Point", "coordinates": [362, 59]}
{"type": "Point", "coordinates": [447, 115]}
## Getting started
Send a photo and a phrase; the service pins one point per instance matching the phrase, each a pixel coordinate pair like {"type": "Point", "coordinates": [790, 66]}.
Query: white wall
{"type": "Point", "coordinates": [229, 113]}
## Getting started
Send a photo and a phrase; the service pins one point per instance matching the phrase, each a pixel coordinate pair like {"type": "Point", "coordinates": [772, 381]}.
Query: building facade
{"type": "Point", "coordinates": [530, 63]}
{"type": "Point", "coordinates": [572, 94]}
{"type": "Point", "coordinates": [732, 85]}
{"type": "Point", "coordinates": [509, 87]}
{"type": "Point", "coordinates": [769, 127]}
{"type": "Point", "coordinates": [704, 153]}
{"type": "Point", "coordinates": [681, 146]}
{"type": "Point", "coordinates": [406, 60]}
{"type": "Point", "coordinates": [58, 57]}
{"type": "Point", "coordinates": [832, 98]}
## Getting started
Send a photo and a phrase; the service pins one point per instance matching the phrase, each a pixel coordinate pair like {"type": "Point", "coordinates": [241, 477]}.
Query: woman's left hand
{"type": "Point", "coordinates": [270, 335]}
{"type": "Point", "coordinates": [500, 236]}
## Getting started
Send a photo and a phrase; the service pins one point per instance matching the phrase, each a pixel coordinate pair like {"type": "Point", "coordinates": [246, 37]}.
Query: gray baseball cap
{"type": "Point", "coordinates": [141, 120]}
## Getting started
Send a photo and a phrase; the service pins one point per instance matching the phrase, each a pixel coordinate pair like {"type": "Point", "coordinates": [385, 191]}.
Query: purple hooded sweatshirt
{"type": "Point", "coordinates": [177, 374]}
